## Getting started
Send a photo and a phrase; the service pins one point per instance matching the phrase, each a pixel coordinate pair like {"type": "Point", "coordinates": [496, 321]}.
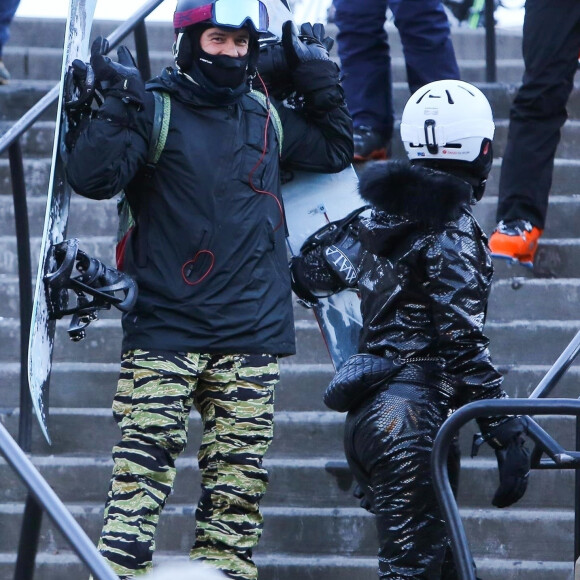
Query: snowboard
{"type": "Point", "coordinates": [41, 341]}
{"type": "Point", "coordinates": [311, 201]}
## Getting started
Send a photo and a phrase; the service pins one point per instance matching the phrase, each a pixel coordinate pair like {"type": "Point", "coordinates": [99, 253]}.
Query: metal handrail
{"type": "Point", "coordinates": [39, 493]}
{"type": "Point", "coordinates": [487, 408]}
{"type": "Point", "coordinates": [115, 38]}
{"type": "Point", "coordinates": [60, 516]}
{"type": "Point", "coordinates": [10, 141]}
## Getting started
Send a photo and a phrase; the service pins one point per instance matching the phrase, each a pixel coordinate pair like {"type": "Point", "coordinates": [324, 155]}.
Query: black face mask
{"type": "Point", "coordinates": [222, 70]}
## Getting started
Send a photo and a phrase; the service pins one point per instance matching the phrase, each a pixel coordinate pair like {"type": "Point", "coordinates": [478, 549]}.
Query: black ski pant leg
{"type": "Point", "coordinates": [365, 56]}
{"type": "Point", "coordinates": [426, 39]}
{"type": "Point", "coordinates": [551, 42]}
{"type": "Point", "coordinates": [388, 444]}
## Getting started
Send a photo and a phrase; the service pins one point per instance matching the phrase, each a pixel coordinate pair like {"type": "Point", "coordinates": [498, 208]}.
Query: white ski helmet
{"type": "Point", "coordinates": [448, 120]}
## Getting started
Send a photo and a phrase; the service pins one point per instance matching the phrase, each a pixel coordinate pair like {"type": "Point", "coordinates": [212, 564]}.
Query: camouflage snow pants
{"type": "Point", "coordinates": [234, 395]}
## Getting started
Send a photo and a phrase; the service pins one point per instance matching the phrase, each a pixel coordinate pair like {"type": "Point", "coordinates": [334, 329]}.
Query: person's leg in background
{"type": "Point", "coordinates": [364, 53]}
{"type": "Point", "coordinates": [235, 397]}
{"type": "Point", "coordinates": [551, 42]}
{"type": "Point", "coordinates": [426, 39]}
{"type": "Point", "coordinates": [7, 12]}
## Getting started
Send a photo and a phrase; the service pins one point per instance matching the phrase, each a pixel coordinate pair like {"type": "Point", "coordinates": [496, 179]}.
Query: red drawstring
{"type": "Point", "coordinates": [193, 261]}
{"type": "Point", "coordinates": [262, 159]}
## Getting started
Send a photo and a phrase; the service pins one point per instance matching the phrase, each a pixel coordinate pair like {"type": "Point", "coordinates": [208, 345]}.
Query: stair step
{"type": "Point", "coordinates": [514, 342]}
{"type": "Point", "coordinates": [18, 96]}
{"type": "Point", "coordinates": [88, 385]}
{"type": "Point", "coordinates": [298, 435]}
{"type": "Point", "coordinates": [510, 299]}
{"type": "Point", "coordinates": [56, 566]}
{"type": "Point", "coordinates": [468, 44]}
{"type": "Point", "coordinates": [330, 531]}
{"type": "Point", "coordinates": [98, 218]}
{"type": "Point", "coordinates": [43, 63]}
{"type": "Point", "coordinates": [320, 481]}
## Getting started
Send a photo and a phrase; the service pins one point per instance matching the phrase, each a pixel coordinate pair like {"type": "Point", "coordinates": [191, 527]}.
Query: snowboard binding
{"type": "Point", "coordinates": [328, 260]}
{"type": "Point", "coordinates": [95, 285]}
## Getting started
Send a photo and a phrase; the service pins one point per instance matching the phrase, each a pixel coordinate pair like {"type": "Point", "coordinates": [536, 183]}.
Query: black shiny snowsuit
{"type": "Point", "coordinates": [424, 281]}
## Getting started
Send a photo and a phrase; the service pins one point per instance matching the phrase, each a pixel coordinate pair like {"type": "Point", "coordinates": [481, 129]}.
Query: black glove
{"type": "Point", "coordinates": [272, 64]}
{"type": "Point", "coordinates": [79, 94]}
{"type": "Point", "coordinates": [316, 32]}
{"type": "Point", "coordinates": [120, 79]}
{"type": "Point", "coordinates": [364, 502]}
{"type": "Point", "coordinates": [314, 75]}
{"type": "Point", "coordinates": [274, 71]}
{"type": "Point", "coordinates": [513, 460]}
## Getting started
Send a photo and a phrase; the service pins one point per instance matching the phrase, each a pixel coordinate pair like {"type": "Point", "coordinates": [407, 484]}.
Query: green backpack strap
{"type": "Point", "coordinates": [160, 127]}
{"type": "Point", "coordinates": [261, 98]}
{"type": "Point", "coordinates": [161, 118]}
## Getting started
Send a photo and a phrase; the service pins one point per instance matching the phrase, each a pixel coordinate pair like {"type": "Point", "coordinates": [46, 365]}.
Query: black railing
{"type": "Point", "coordinates": [490, 43]}
{"type": "Point", "coordinates": [40, 495]}
{"type": "Point", "coordinates": [43, 497]}
{"type": "Point", "coordinates": [558, 457]}
{"type": "Point", "coordinates": [11, 141]}
{"type": "Point", "coordinates": [562, 459]}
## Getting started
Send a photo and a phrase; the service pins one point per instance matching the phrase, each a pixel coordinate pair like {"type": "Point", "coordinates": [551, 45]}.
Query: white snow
{"type": "Point", "coordinates": [305, 10]}
{"type": "Point", "coordinates": [106, 9]}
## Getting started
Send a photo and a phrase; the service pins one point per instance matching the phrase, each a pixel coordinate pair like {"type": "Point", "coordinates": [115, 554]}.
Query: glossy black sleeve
{"type": "Point", "coordinates": [458, 279]}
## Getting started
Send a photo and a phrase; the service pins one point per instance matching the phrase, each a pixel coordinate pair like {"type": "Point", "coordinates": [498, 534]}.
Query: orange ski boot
{"type": "Point", "coordinates": [516, 241]}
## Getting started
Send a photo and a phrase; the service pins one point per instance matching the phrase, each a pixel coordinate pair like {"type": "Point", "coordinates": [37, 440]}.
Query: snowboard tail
{"type": "Point", "coordinates": [311, 201]}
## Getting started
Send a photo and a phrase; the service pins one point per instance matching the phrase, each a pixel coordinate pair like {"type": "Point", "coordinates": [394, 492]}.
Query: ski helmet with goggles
{"type": "Point", "coordinates": [228, 13]}
{"type": "Point", "coordinates": [190, 19]}
{"type": "Point", "coordinates": [449, 124]}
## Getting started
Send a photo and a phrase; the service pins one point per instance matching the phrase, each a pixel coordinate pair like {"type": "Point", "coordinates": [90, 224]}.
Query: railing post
{"type": "Point", "coordinates": [29, 535]}
{"type": "Point", "coordinates": [490, 46]}
{"type": "Point", "coordinates": [142, 50]}
{"type": "Point", "coordinates": [25, 289]}
{"type": "Point", "coordinates": [577, 504]}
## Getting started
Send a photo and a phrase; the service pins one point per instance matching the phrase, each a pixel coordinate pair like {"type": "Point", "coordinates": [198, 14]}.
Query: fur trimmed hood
{"type": "Point", "coordinates": [415, 192]}
{"type": "Point", "coordinates": [409, 200]}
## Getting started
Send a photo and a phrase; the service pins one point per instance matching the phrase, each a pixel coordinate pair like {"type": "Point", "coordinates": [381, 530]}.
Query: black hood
{"type": "Point", "coordinates": [409, 199]}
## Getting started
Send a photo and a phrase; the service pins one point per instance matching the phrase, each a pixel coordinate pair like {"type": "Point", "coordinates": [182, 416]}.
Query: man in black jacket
{"type": "Point", "coordinates": [424, 272]}
{"type": "Point", "coordinates": [208, 253]}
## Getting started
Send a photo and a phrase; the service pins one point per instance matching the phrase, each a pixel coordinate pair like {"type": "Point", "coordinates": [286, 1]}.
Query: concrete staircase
{"type": "Point", "coordinates": [314, 527]}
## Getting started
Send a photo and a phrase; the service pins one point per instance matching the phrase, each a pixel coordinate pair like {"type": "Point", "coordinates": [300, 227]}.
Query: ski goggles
{"type": "Point", "coordinates": [231, 13]}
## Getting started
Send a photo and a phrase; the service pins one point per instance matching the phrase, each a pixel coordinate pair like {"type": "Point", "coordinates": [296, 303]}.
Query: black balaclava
{"type": "Point", "coordinates": [220, 70]}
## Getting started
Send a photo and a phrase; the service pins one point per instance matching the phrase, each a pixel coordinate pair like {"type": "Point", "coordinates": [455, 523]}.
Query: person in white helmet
{"type": "Point", "coordinates": [421, 264]}
{"type": "Point", "coordinates": [208, 252]}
